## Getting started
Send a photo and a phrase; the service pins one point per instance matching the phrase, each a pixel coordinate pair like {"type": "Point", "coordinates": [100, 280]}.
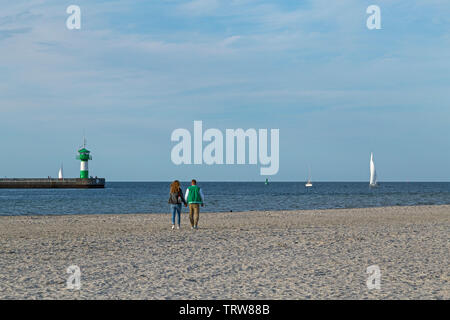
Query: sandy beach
{"type": "Point", "coordinates": [319, 254]}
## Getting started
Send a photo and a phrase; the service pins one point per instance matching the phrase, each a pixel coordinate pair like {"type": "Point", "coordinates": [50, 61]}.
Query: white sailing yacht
{"type": "Point", "coordinates": [60, 173]}
{"type": "Point", "coordinates": [309, 183]}
{"type": "Point", "coordinates": [373, 172]}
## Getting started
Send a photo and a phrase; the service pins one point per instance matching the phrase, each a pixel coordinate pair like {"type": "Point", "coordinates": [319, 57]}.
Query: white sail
{"type": "Point", "coordinates": [60, 173]}
{"type": "Point", "coordinates": [373, 173]}
{"type": "Point", "coordinates": [309, 183]}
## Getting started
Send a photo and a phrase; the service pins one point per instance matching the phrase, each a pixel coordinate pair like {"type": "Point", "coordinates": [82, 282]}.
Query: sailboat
{"type": "Point", "coordinates": [309, 183]}
{"type": "Point", "coordinates": [373, 173]}
{"type": "Point", "coordinates": [60, 173]}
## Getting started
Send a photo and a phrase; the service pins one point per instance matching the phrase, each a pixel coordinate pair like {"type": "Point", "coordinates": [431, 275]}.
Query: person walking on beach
{"type": "Point", "coordinates": [194, 197]}
{"type": "Point", "coordinates": [175, 200]}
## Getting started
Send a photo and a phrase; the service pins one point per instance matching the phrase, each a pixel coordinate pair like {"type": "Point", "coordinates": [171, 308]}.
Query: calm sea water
{"type": "Point", "coordinates": [151, 197]}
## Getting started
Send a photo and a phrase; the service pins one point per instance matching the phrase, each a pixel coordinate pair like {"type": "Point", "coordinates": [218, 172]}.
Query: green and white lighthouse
{"type": "Point", "coordinates": [84, 156]}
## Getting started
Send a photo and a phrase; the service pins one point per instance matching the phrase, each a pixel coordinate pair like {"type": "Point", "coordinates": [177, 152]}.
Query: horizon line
{"type": "Point", "coordinates": [262, 181]}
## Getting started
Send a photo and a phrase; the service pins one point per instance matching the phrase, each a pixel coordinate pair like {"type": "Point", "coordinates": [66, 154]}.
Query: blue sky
{"type": "Point", "coordinates": [137, 70]}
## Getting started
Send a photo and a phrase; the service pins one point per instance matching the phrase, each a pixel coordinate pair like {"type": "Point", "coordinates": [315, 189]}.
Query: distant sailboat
{"type": "Point", "coordinates": [309, 183]}
{"type": "Point", "coordinates": [60, 173]}
{"type": "Point", "coordinates": [373, 172]}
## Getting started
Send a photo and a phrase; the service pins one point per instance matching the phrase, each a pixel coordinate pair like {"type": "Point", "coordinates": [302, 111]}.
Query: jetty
{"type": "Point", "coordinates": [74, 183]}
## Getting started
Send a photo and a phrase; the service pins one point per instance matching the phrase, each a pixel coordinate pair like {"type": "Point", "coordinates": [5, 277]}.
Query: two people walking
{"type": "Point", "coordinates": [194, 198]}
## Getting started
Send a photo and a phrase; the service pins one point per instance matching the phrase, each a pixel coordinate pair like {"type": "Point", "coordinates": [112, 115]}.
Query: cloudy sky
{"type": "Point", "coordinates": [137, 70]}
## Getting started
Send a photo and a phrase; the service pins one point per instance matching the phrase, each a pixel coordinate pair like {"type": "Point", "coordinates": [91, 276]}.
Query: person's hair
{"type": "Point", "coordinates": [175, 186]}
{"type": "Point", "coordinates": [194, 181]}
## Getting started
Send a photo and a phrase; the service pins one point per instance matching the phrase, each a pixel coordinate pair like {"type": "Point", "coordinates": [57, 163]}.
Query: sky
{"type": "Point", "coordinates": [138, 70]}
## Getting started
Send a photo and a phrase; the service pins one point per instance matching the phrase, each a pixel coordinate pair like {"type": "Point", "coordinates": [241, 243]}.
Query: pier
{"type": "Point", "coordinates": [50, 183]}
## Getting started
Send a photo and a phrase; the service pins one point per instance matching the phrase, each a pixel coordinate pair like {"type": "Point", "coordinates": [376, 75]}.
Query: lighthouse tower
{"type": "Point", "coordinates": [84, 156]}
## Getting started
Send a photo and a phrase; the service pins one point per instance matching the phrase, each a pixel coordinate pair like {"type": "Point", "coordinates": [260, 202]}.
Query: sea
{"type": "Point", "coordinates": [152, 197]}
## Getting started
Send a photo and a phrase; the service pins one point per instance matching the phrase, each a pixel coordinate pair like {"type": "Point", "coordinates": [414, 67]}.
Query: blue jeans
{"type": "Point", "coordinates": [176, 211]}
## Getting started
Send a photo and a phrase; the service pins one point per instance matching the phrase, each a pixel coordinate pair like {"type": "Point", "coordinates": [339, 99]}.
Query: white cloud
{"type": "Point", "coordinates": [199, 7]}
{"type": "Point", "coordinates": [230, 40]}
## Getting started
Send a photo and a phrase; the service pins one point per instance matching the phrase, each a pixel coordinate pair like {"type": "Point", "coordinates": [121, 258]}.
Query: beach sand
{"type": "Point", "coordinates": [320, 254]}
